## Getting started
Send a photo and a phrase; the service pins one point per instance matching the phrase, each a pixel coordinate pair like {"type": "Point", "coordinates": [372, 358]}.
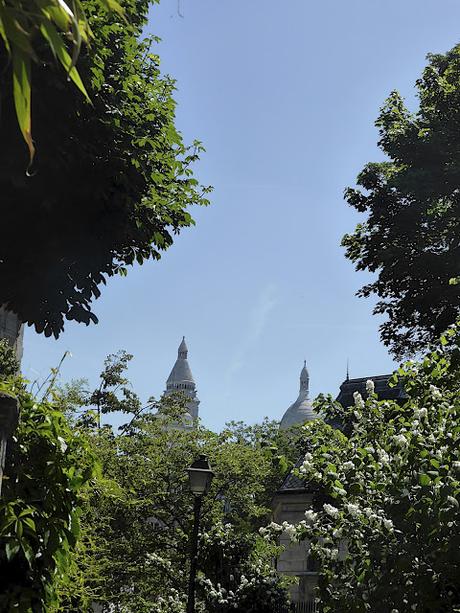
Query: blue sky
{"type": "Point", "coordinates": [283, 94]}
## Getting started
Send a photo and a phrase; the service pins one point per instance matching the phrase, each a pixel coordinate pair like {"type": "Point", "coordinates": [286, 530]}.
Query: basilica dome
{"type": "Point", "coordinates": [301, 410]}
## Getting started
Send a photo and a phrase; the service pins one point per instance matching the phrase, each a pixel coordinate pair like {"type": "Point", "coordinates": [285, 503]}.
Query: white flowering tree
{"type": "Point", "coordinates": [239, 573]}
{"type": "Point", "coordinates": [385, 524]}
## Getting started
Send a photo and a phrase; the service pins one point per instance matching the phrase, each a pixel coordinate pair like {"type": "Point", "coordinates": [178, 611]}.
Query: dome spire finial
{"type": "Point", "coordinates": [304, 379]}
{"type": "Point", "coordinates": [183, 349]}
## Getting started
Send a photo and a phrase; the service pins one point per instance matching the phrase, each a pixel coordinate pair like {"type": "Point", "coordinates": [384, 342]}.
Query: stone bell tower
{"type": "Point", "coordinates": [181, 380]}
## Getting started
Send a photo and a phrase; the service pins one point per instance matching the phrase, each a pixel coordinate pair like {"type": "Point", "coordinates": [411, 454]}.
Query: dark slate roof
{"type": "Point", "coordinates": [382, 389]}
{"type": "Point", "coordinates": [181, 372]}
{"type": "Point", "coordinates": [293, 483]}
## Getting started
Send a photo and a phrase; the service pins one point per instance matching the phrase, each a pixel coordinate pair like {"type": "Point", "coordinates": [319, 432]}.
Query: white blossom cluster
{"type": "Point", "coordinates": [155, 559]}
{"type": "Point", "coordinates": [231, 598]}
{"type": "Point", "coordinates": [359, 402]}
{"type": "Point", "coordinates": [307, 468]}
{"type": "Point", "coordinates": [273, 529]}
{"type": "Point", "coordinates": [435, 392]}
{"type": "Point", "coordinates": [172, 603]}
{"type": "Point", "coordinates": [400, 441]}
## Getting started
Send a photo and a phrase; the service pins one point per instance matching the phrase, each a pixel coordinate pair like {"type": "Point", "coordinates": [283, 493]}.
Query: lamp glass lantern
{"type": "Point", "coordinates": [200, 476]}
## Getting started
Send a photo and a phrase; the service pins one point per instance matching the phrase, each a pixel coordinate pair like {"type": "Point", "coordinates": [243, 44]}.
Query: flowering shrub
{"type": "Point", "coordinates": [173, 602]}
{"type": "Point", "coordinates": [385, 523]}
{"type": "Point", "coordinates": [239, 575]}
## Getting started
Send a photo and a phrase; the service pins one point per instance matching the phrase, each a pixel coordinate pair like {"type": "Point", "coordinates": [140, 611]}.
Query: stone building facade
{"type": "Point", "coordinates": [289, 504]}
{"type": "Point", "coordinates": [12, 329]}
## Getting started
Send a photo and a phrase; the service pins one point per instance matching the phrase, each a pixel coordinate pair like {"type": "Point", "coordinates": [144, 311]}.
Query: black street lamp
{"type": "Point", "coordinates": [200, 476]}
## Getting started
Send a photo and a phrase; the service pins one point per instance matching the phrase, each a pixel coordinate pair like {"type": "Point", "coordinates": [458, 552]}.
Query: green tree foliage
{"type": "Point", "coordinates": [137, 523]}
{"type": "Point", "coordinates": [411, 235]}
{"type": "Point", "coordinates": [385, 523]}
{"type": "Point", "coordinates": [134, 551]}
{"type": "Point", "coordinates": [112, 180]}
{"type": "Point", "coordinates": [47, 468]}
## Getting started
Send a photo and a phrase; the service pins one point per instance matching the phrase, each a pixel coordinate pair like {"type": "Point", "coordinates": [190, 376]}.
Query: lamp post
{"type": "Point", "coordinates": [200, 476]}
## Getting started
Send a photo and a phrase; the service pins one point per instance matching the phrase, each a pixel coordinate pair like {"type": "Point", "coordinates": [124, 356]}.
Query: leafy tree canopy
{"type": "Point", "coordinates": [134, 552]}
{"type": "Point", "coordinates": [411, 237]}
{"type": "Point", "coordinates": [385, 521]}
{"type": "Point", "coordinates": [137, 523]}
{"type": "Point", "coordinates": [94, 515]}
{"type": "Point", "coordinates": [112, 179]}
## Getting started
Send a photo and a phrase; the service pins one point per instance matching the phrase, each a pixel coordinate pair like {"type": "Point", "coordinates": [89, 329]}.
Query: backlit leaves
{"type": "Point", "coordinates": [62, 25]}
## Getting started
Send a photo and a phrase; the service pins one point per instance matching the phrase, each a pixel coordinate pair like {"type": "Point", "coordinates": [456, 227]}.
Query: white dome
{"type": "Point", "coordinates": [298, 413]}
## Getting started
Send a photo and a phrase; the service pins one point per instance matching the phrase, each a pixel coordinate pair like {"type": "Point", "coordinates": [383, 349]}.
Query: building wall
{"type": "Point", "coordinates": [12, 329]}
{"type": "Point", "coordinates": [294, 561]}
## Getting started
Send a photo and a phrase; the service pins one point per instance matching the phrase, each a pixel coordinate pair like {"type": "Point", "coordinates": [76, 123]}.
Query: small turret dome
{"type": "Point", "coordinates": [301, 410]}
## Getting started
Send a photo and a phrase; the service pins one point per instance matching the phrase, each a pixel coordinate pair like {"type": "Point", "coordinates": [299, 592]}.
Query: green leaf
{"type": "Point", "coordinates": [11, 549]}
{"type": "Point", "coordinates": [424, 479]}
{"type": "Point", "coordinates": [14, 33]}
{"type": "Point", "coordinates": [2, 28]}
{"type": "Point", "coordinates": [113, 5]}
{"type": "Point", "coordinates": [56, 13]}
{"type": "Point", "coordinates": [19, 528]}
{"type": "Point", "coordinates": [29, 522]}
{"type": "Point", "coordinates": [28, 553]}
{"type": "Point", "coordinates": [22, 96]}
{"type": "Point", "coordinates": [60, 52]}
{"type": "Point", "coordinates": [355, 488]}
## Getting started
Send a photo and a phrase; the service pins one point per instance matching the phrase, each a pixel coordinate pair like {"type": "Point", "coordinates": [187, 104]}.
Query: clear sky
{"type": "Point", "coordinates": [284, 94]}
